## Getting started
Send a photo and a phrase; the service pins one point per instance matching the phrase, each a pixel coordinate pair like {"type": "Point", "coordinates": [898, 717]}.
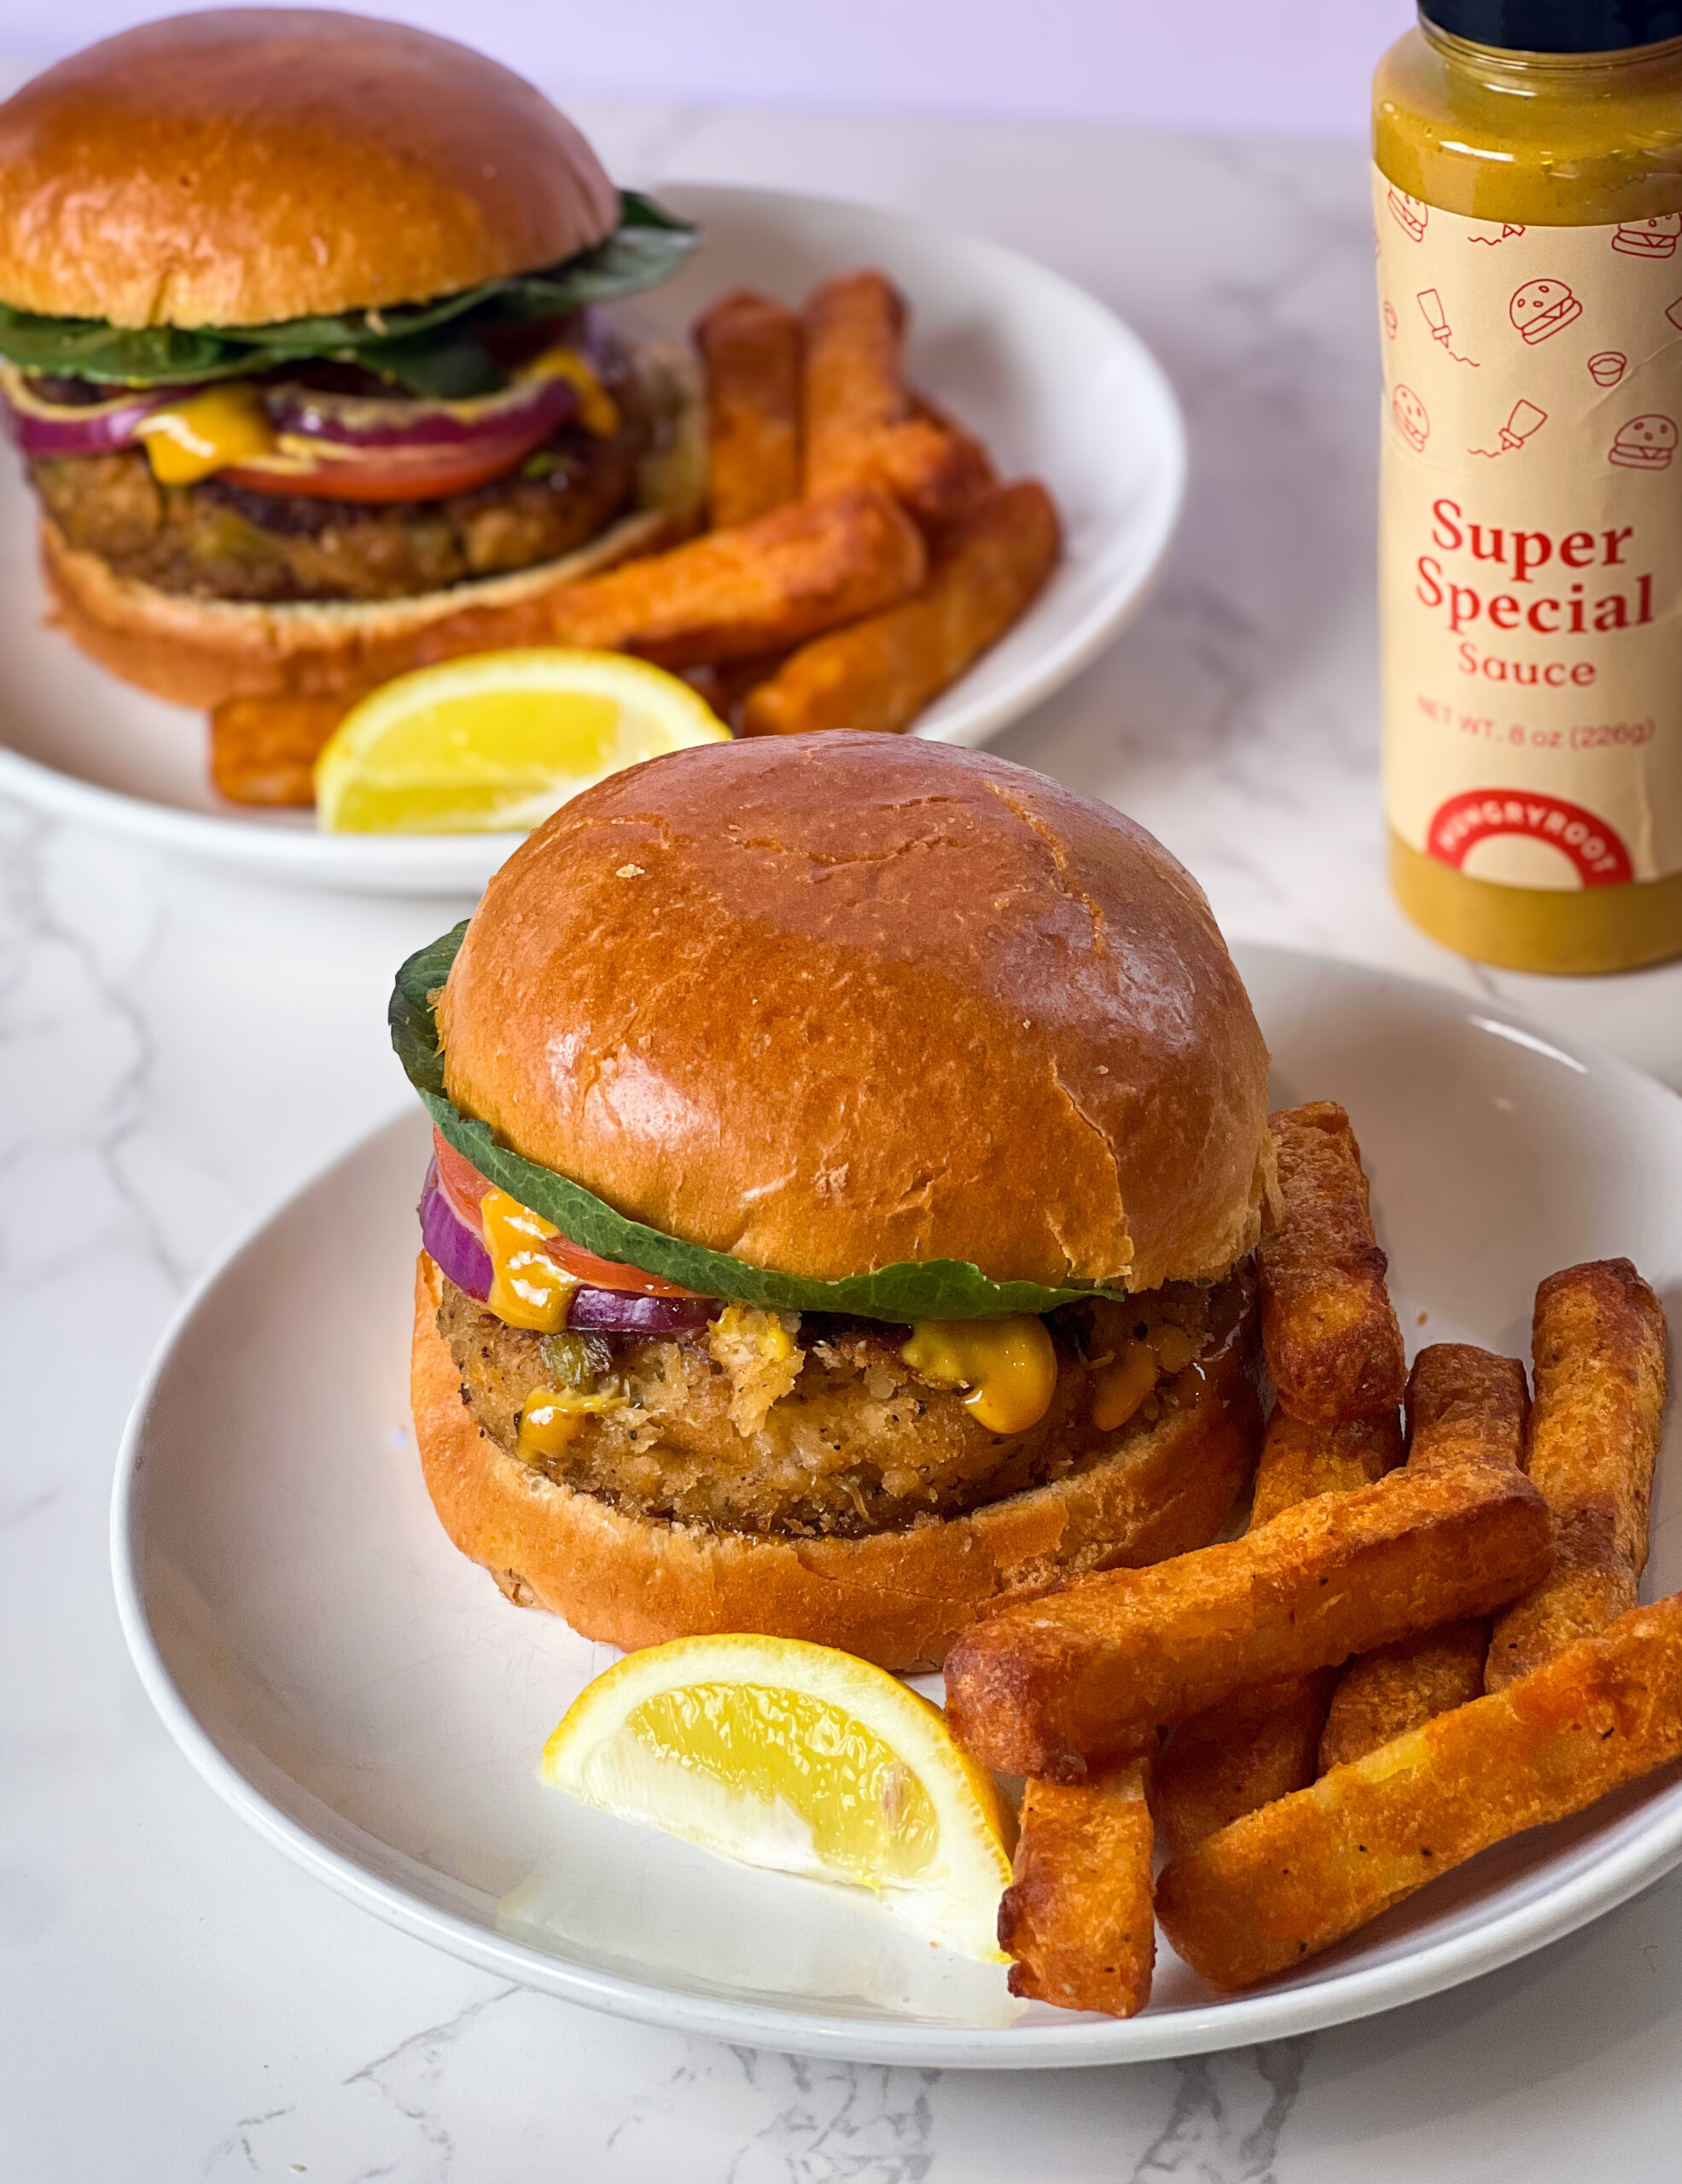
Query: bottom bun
{"type": "Point", "coordinates": [205, 652]}
{"type": "Point", "coordinates": [899, 1597]}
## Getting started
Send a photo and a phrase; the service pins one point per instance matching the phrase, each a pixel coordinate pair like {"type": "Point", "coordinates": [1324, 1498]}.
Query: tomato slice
{"type": "Point", "coordinates": [608, 1274]}
{"type": "Point", "coordinates": [384, 474]}
{"type": "Point", "coordinates": [464, 1187]}
{"type": "Point", "coordinates": [462, 1182]}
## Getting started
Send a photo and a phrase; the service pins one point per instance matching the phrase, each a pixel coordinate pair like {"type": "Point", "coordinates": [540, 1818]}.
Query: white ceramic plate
{"type": "Point", "coordinates": [1056, 386]}
{"type": "Point", "coordinates": [368, 1701]}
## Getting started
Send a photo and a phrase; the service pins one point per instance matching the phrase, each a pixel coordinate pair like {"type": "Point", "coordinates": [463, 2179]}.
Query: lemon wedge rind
{"type": "Point", "coordinates": [685, 1737]}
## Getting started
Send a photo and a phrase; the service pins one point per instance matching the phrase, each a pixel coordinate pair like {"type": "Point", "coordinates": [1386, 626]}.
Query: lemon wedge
{"type": "Point", "coordinates": [500, 740]}
{"type": "Point", "coordinates": [793, 1756]}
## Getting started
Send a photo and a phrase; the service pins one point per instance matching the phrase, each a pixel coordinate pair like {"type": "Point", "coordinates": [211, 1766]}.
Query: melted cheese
{"type": "Point", "coordinates": [598, 413]}
{"type": "Point", "coordinates": [1009, 1367]}
{"type": "Point", "coordinates": [188, 441]}
{"type": "Point", "coordinates": [528, 1289]}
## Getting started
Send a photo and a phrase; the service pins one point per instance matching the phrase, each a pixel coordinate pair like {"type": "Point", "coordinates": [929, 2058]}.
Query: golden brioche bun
{"type": "Point", "coordinates": [900, 1598]}
{"type": "Point", "coordinates": [250, 165]}
{"type": "Point", "coordinates": [831, 1001]}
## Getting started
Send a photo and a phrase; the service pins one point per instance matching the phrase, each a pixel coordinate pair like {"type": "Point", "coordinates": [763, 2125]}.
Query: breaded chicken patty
{"type": "Point", "coordinates": [766, 1423]}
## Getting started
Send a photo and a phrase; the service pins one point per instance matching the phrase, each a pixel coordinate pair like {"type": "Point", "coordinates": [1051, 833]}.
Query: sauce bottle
{"type": "Point", "coordinates": [1528, 192]}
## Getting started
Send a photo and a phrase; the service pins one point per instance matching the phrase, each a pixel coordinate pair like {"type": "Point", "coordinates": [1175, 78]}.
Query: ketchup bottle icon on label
{"type": "Point", "coordinates": [1525, 420]}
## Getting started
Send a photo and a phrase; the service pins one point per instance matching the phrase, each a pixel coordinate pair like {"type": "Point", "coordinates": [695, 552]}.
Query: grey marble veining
{"type": "Point", "coordinates": [176, 1049]}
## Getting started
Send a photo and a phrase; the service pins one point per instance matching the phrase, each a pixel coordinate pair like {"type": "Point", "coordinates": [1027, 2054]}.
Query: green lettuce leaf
{"type": "Point", "coordinates": [427, 349]}
{"type": "Point", "coordinates": [914, 1289]}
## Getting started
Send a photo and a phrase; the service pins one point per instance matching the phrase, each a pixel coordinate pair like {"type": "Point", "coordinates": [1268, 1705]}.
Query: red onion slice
{"type": "Point", "coordinates": [614, 1311]}
{"type": "Point", "coordinates": [457, 1251]}
{"type": "Point", "coordinates": [47, 428]}
{"type": "Point", "coordinates": [528, 411]}
{"type": "Point", "coordinates": [465, 1260]}
{"type": "Point", "coordinates": [514, 421]}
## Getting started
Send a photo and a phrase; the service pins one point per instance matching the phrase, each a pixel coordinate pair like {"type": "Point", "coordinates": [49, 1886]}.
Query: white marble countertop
{"type": "Point", "coordinates": [178, 1049]}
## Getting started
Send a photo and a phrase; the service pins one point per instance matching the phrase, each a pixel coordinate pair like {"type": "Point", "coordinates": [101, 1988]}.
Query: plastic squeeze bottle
{"type": "Point", "coordinates": [1528, 191]}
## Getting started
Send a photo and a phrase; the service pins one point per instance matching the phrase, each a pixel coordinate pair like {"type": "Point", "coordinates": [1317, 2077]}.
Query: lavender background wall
{"type": "Point", "coordinates": [1293, 66]}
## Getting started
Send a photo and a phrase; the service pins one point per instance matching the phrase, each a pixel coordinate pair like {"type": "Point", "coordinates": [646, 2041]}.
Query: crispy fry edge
{"type": "Point", "coordinates": [1078, 1918]}
{"type": "Point", "coordinates": [1041, 1687]}
{"type": "Point", "coordinates": [1330, 1334]}
{"type": "Point", "coordinates": [1290, 1880]}
{"type": "Point", "coordinates": [1598, 1351]}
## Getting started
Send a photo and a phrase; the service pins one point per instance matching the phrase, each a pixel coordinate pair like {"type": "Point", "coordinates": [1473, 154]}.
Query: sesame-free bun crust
{"type": "Point", "coordinates": [831, 1001]}
{"type": "Point", "coordinates": [250, 165]}
{"type": "Point", "coordinates": [899, 1597]}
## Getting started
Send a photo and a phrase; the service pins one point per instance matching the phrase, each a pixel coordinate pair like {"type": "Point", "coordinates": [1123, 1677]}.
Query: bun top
{"type": "Point", "coordinates": [832, 1002]}
{"type": "Point", "coordinates": [256, 164]}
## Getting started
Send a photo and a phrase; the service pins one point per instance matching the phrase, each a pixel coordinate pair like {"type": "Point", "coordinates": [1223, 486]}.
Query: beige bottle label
{"type": "Point", "coordinates": [1531, 544]}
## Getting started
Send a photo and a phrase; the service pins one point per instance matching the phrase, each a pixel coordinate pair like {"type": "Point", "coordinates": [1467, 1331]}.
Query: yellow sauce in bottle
{"type": "Point", "coordinates": [1523, 140]}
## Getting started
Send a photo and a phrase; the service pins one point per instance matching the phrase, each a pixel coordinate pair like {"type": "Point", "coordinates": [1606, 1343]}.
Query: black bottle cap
{"type": "Point", "coordinates": [1558, 25]}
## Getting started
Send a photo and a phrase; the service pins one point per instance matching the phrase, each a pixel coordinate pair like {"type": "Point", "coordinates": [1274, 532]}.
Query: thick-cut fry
{"type": "Point", "coordinates": [1263, 1741]}
{"type": "Point", "coordinates": [763, 588]}
{"type": "Point", "coordinates": [881, 672]}
{"type": "Point", "coordinates": [855, 374]}
{"type": "Point", "coordinates": [940, 474]}
{"type": "Point", "coordinates": [980, 461]}
{"type": "Point", "coordinates": [1299, 1460]}
{"type": "Point", "coordinates": [750, 348]}
{"type": "Point", "coordinates": [1396, 1689]}
{"type": "Point", "coordinates": [1334, 1350]}
{"type": "Point", "coordinates": [1464, 1405]}
{"type": "Point", "coordinates": [863, 425]}
{"type": "Point", "coordinates": [1598, 1352]}
{"type": "Point", "coordinates": [937, 469]}
{"type": "Point", "coordinates": [1300, 1874]}
{"type": "Point", "coordinates": [1043, 1685]}
{"type": "Point", "coordinates": [263, 749]}
{"type": "Point", "coordinates": [727, 687]}
{"type": "Point", "coordinates": [1078, 1917]}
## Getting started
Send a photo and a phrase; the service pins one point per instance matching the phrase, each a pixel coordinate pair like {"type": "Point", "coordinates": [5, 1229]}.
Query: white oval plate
{"type": "Point", "coordinates": [1055, 383]}
{"type": "Point", "coordinates": [366, 1698]}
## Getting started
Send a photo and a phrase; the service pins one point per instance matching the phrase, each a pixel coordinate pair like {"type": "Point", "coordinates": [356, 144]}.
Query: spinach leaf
{"type": "Point", "coordinates": [428, 348]}
{"type": "Point", "coordinates": [913, 1289]}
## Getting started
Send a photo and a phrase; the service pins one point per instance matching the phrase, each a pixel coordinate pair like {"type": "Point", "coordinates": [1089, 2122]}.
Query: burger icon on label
{"type": "Point", "coordinates": [1540, 308]}
{"type": "Point", "coordinates": [1409, 214]}
{"type": "Point", "coordinates": [1645, 444]}
{"type": "Point", "coordinates": [1655, 238]}
{"type": "Point", "coordinates": [1411, 421]}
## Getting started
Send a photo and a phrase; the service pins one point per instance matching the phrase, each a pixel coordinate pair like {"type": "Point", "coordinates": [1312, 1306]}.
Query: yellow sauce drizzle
{"type": "Point", "coordinates": [189, 441]}
{"type": "Point", "coordinates": [528, 1289]}
{"type": "Point", "coordinates": [1120, 1387]}
{"type": "Point", "coordinates": [552, 1419]}
{"type": "Point", "coordinates": [598, 413]}
{"type": "Point", "coordinates": [1009, 1367]}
